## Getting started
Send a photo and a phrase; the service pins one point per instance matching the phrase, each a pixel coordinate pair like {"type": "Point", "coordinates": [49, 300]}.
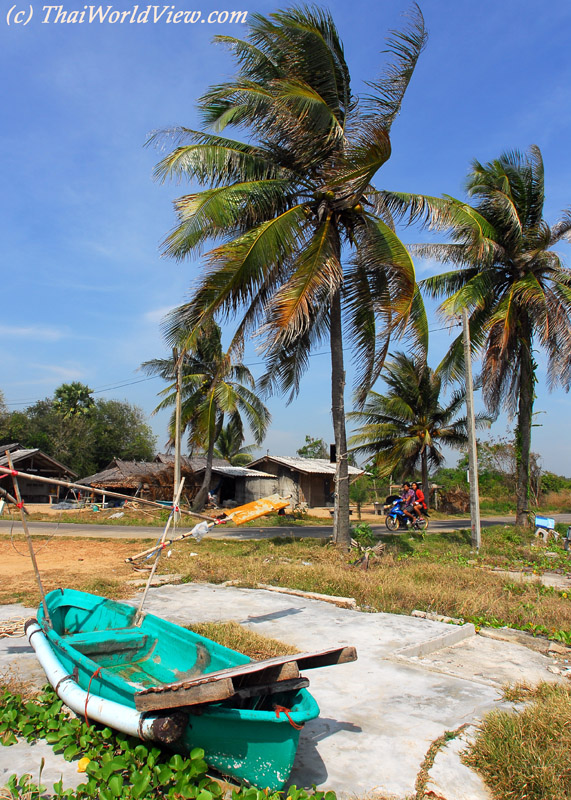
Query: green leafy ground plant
{"type": "Point", "coordinates": [118, 767]}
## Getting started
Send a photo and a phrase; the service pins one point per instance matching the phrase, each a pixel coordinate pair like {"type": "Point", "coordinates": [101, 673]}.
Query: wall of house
{"type": "Point", "coordinates": [249, 489]}
{"type": "Point", "coordinates": [317, 490]}
{"type": "Point", "coordinates": [31, 491]}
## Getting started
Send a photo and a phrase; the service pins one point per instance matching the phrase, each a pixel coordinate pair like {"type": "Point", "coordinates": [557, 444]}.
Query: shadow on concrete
{"type": "Point", "coordinates": [309, 768]}
{"type": "Point", "coordinates": [287, 612]}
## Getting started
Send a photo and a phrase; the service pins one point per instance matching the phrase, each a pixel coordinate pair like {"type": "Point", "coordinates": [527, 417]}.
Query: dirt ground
{"type": "Point", "coordinates": [62, 562]}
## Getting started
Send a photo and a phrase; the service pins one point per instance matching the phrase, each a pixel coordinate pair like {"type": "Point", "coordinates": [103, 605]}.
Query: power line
{"type": "Point", "coordinates": [100, 390]}
{"type": "Point", "coordinates": [110, 387]}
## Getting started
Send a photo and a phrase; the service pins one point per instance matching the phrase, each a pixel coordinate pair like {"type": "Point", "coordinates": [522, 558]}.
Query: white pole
{"type": "Point", "coordinates": [472, 447]}
{"type": "Point", "coordinates": [176, 481]}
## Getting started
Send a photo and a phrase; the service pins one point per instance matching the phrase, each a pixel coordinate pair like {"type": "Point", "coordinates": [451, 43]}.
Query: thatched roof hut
{"type": "Point", "coordinates": [147, 479]}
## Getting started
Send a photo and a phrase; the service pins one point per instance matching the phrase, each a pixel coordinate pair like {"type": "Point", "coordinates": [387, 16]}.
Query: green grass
{"type": "Point", "coordinates": [526, 754]}
{"type": "Point", "coordinates": [157, 518]}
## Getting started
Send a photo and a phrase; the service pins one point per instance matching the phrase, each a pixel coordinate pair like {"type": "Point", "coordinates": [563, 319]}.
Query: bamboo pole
{"type": "Point", "coordinates": [7, 496]}
{"type": "Point", "coordinates": [20, 505]}
{"type": "Point", "coordinates": [104, 492]}
{"type": "Point", "coordinates": [139, 615]}
{"type": "Point", "coordinates": [472, 444]}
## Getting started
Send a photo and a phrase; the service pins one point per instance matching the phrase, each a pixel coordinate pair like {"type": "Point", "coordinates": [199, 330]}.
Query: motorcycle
{"type": "Point", "coordinates": [396, 518]}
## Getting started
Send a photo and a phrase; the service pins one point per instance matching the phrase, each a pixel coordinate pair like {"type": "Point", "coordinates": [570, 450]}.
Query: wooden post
{"type": "Point", "coordinates": [472, 448]}
{"type": "Point", "coordinates": [139, 615]}
{"type": "Point", "coordinates": [176, 481]}
{"type": "Point", "coordinates": [48, 619]}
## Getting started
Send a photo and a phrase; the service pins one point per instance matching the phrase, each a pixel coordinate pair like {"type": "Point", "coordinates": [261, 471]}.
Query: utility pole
{"type": "Point", "coordinates": [472, 451]}
{"type": "Point", "coordinates": [177, 359]}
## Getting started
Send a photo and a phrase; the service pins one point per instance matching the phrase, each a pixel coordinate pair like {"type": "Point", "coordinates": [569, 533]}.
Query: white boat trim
{"type": "Point", "coordinates": [107, 712]}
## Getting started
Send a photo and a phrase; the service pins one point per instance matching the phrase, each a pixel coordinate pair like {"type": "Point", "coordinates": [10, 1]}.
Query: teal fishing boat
{"type": "Point", "coordinates": [149, 677]}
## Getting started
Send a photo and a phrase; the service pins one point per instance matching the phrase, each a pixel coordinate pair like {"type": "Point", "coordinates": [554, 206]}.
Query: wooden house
{"type": "Point", "coordinates": [35, 462]}
{"type": "Point", "coordinates": [309, 481]}
{"type": "Point", "coordinates": [238, 485]}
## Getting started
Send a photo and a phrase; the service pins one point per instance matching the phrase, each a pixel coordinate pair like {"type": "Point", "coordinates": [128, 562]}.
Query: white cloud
{"type": "Point", "coordinates": [157, 315]}
{"type": "Point", "coordinates": [57, 372]}
{"type": "Point", "coordinates": [39, 332]}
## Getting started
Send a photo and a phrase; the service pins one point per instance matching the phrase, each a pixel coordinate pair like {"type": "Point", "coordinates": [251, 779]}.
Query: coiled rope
{"type": "Point", "coordinates": [12, 628]}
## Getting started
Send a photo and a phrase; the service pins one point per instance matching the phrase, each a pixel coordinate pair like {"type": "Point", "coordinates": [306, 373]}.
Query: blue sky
{"type": "Point", "coordinates": [84, 286]}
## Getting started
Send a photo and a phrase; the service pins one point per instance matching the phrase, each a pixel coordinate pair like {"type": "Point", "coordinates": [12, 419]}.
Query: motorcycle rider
{"type": "Point", "coordinates": [419, 503]}
{"type": "Point", "coordinates": [409, 497]}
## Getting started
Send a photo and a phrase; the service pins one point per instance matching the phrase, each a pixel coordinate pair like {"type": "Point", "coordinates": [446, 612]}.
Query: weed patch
{"type": "Point", "coordinates": [236, 637]}
{"type": "Point", "coordinates": [525, 755]}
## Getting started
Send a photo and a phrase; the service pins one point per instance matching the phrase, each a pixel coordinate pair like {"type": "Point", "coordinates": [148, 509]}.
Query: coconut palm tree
{"type": "Point", "coordinates": [514, 286]}
{"type": "Point", "coordinates": [213, 388]}
{"type": "Point", "coordinates": [229, 445]}
{"type": "Point", "coordinates": [405, 429]}
{"type": "Point", "coordinates": [307, 251]}
{"type": "Point", "coordinates": [73, 400]}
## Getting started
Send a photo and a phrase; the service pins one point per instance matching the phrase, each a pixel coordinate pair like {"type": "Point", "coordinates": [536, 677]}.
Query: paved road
{"type": "Point", "coordinates": [222, 532]}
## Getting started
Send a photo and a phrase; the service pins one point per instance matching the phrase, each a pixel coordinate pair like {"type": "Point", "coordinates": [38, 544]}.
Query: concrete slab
{"type": "Point", "coordinates": [380, 714]}
{"type": "Point", "coordinates": [450, 779]}
{"type": "Point", "coordinates": [22, 758]}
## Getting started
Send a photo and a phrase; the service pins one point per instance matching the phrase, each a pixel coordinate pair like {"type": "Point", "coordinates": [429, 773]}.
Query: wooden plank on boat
{"type": "Point", "coordinates": [205, 689]}
{"type": "Point", "coordinates": [271, 670]}
{"type": "Point", "coordinates": [327, 658]}
{"type": "Point", "coordinates": [190, 696]}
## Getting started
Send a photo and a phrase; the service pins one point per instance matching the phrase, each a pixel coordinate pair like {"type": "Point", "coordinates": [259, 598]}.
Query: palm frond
{"type": "Point", "coordinates": [213, 213]}
{"type": "Point", "coordinates": [404, 48]}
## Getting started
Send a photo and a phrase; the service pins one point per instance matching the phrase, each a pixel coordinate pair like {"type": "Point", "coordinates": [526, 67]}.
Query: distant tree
{"type": "Point", "coordinates": [229, 445]}
{"type": "Point", "coordinates": [313, 448]}
{"type": "Point", "coordinates": [119, 430]}
{"type": "Point", "coordinates": [214, 387]}
{"type": "Point", "coordinates": [359, 492]}
{"type": "Point", "coordinates": [83, 442]}
{"type": "Point", "coordinates": [405, 428]}
{"type": "Point", "coordinates": [73, 399]}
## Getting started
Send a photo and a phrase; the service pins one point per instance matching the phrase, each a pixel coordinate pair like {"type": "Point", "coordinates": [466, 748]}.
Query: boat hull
{"type": "Point", "coordinates": [94, 640]}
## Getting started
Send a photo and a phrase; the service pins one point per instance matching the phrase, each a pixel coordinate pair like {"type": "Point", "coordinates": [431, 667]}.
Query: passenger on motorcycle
{"type": "Point", "coordinates": [409, 497]}
{"type": "Point", "coordinates": [419, 504]}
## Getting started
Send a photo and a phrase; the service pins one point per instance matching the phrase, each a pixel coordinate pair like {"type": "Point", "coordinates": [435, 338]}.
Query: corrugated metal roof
{"type": "Point", "coordinates": [239, 472]}
{"type": "Point", "coordinates": [18, 455]}
{"type": "Point", "coordinates": [317, 466]}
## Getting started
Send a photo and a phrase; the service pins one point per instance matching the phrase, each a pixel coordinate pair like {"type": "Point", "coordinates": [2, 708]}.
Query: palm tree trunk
{"type": "Point", "coordinates": [341, 531]}
{"type": "Point", "coordinates": [200, 500]}
{"type": "Point", "coordinates": [523, 431]}
{"type": "Point", "coordinates": [424, 469]}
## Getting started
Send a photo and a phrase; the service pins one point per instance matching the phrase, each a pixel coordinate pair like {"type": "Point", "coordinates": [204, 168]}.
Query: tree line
{"type": "Point", "coordinates": [82, 433]}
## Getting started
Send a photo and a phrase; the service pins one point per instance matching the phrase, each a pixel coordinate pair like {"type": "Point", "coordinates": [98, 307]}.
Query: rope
{"type": "Point", "coordinates": [287, 712]}
{"type": "Point", "coordinates": [37, 549]}
{"type": "Point", "coordinates": [97, 671]}
{"type": "Point", "coordinates": [12, 628]}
